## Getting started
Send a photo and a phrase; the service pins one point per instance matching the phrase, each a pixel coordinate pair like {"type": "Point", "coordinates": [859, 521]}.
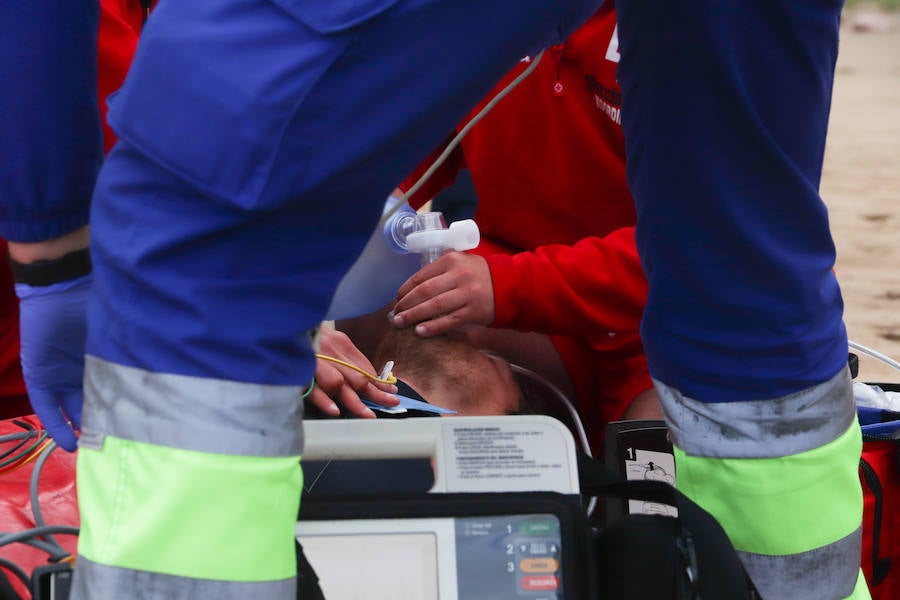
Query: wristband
{"type": "Point", "coordinates": [42, 273]}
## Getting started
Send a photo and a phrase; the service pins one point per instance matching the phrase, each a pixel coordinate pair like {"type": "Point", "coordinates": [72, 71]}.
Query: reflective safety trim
{"type": "Point", "coordinates": [94, 581]}
{"type": "Point", "coordinates": [777, 506]}
{"type": "Point", "coordinates": [828, 573]}
{"type": "Point", "coordinates": [188, 514]}
{"type": "Point", "coordinates": [760, 428]}
{"type": "Point", "coordinates": [861, 591]}
{"type": "Point", "coordinates": [191, 413]}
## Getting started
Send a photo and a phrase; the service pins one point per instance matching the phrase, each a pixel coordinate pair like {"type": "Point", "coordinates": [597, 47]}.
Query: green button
{"type": "Point", "coordinates": [539, 527]}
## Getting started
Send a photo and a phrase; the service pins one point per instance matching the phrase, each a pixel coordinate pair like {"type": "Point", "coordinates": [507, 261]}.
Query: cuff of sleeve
{"type": "Point", "coordinates": [44, 273]}
{"type": "Point", "coordinates": [507, 290]}
{"type": "Point", "coordinates": [36, 229]}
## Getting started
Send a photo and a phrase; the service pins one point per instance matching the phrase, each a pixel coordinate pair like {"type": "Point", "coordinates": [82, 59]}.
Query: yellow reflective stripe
{"type": "Point", "coordinates": [861, 591]}
{"type": "Point", "coordinates": [780, 506]}
{"type": "Point", "coordinates": [189, 514]}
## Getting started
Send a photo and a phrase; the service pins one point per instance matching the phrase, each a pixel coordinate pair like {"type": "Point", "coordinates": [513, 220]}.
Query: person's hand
{"type": "Point", "coordinates": [454, 291]}
{"type": "Point", "coordinates": [337, 383]}
{"type": "Point", "coordinates": [52, 323]}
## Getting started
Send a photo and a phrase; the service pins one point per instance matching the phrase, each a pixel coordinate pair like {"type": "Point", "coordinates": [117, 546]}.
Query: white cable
{"type": "Point", "coordinates": [459, 136]}
{"type": "Point", "coordinates": [875, 354]}
{"type": "Point", "coordinates": [580, 432]}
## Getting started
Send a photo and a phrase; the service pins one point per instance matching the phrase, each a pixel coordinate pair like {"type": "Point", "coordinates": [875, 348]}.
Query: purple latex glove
{"type": "Point", "coordinates": [53, 329]}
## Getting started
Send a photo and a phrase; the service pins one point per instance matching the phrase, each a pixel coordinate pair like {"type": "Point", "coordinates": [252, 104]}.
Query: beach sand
{"type": "Point", "coordinates": [861, 187]}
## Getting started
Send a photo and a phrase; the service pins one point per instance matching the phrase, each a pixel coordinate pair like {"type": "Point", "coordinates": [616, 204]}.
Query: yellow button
{"type": "Point", "coordinates": [539, 565]}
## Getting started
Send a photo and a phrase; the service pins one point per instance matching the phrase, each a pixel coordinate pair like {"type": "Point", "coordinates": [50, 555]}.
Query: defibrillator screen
{"type": "Point", "coordinates": [508, 557]}
{"type": "Point", "coordinates": [375, 565]}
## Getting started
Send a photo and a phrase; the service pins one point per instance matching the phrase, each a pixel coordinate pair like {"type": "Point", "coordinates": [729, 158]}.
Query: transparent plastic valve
{"type": "Point", "coordinates": [432, 238]}
{"type": "Point", "coordinates": [389, 257]}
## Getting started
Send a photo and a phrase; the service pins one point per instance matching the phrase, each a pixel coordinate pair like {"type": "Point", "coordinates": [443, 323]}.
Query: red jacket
{"type": "Point", "coordinates": [11, 384]}
{"type": "Point", "coordinates": [556, 218]}
{"type": "Point", "coordinates": [120, 26]}
{"type": "Point", "coordinates": [548, 164]}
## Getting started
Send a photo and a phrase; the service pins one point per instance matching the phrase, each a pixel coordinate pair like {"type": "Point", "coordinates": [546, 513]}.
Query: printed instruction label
{"type": "Point", "coordinates": [525, 456]}
{"type": "Point", "coordinates": [652, 466]}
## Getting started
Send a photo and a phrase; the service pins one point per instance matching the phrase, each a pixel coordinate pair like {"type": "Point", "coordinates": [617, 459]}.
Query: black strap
{"type": "Point", "coordinates": [307, 581]}
{"type": "Point", "coordinates": [42, 273]}
{"type": "Point", "coordinates": [596, 479]}
{"type": "Point", "coordinates": [880, 566]}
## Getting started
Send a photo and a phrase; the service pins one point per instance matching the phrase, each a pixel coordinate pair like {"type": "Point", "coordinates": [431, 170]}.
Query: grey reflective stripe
{"type": "Point", "coordinates": [94, 581]}
{"type": "Point", "coordinates": [827, 573]}
{"type": "Point", "coordinates": [760, 428]}
{"type": "Point", "coordinates": [189, 413]}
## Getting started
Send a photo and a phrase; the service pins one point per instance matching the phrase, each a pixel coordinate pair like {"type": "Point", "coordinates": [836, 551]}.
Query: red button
{"type": "Point", "coordinates": [540, 582]}
{"type": "Point", "coordinates": [559, 89]}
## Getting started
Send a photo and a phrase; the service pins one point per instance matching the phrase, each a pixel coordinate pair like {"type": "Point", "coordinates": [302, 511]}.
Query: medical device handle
{"type": "Point", "coordinates": [471, 454]}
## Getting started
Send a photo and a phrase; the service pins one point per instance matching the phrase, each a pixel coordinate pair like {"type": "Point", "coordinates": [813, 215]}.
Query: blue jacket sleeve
{"type": "Point", "coordinates": [50, 137]}
{"type": "Point", "coordinates": [256, 146]}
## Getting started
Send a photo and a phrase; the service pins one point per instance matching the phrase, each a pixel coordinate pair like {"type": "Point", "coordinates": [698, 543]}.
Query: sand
{"type": "Point", "coordinates": [861, 187]}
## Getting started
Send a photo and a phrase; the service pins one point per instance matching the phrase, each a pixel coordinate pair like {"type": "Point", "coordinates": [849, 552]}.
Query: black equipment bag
{"type": "Point", "coordinates": [640, 556]}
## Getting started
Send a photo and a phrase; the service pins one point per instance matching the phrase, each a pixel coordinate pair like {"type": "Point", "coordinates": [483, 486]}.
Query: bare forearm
{"type": "Point", "coordinates": [50, 249]}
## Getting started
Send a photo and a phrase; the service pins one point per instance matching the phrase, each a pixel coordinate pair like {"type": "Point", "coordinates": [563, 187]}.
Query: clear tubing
{"type": "Point", "coordinates": [462, 133]}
